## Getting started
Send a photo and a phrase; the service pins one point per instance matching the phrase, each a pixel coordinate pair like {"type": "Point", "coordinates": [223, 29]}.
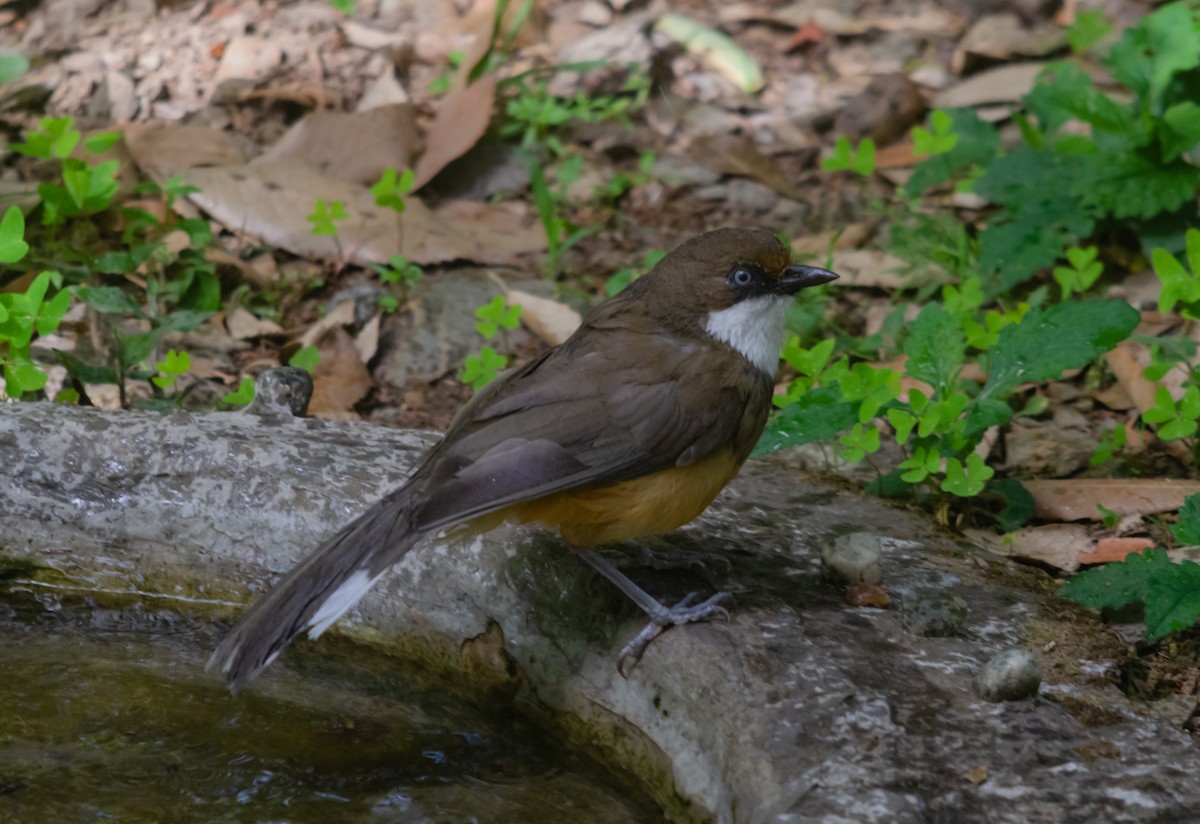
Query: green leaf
{"type": "Point", "coordinates": [12, 236]}
{"type": "Point", "coordinates": [1064, 91]}
{"type": "Point", "coordinates": [1047, 342]}
{"type": "Point", "coordinates": [1090, 28]}
{"type": "Point", "coordinates": [242, 395]}
{"type": "Point", "coordinates": [1113, 585]}
{"type": "Point", "coordinates": [1187, 531]}
{"type": "Point", "coordinates": [21, 375]}
{"type": "Point", "coordinates": [958, 481]}
{"type": "Point", "coordinates": [1183, 129]}
{"type": "Point", "coordinates": [85, 372]}
{"type": "Point", "coordinates": [108, 300]}
{"type": "Point", "coordinates": [1172, 599]}
{"type": "Point", "coordinates": [1149, 55]}
{"type": "Point", "coordinates": [1043, 213]}
{"type": "Point", "coordinates": [935, 347]}
{"type": "Point", "coordinates": [1018, 504]}
{"type": "Point", "coordinates": [12, 66]}
{"type": "Point", "coordinates": [818, 415]}
{"type": "Point", "coordinates": [102, 142]}
{"type": "Point", "coordinates": [306, 358]}
{"type": "Point", "coordinates": [903, 422]}
{"type": "Point", "coordinates": [978, 144]}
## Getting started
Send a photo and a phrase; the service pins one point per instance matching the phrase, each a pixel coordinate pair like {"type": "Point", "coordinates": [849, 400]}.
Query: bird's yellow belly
{"type": "Point", "coordinates": [650, 505]}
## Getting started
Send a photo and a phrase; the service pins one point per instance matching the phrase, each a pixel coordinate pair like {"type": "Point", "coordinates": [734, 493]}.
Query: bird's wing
{"type": "Point", "coordinates": [626, 403]}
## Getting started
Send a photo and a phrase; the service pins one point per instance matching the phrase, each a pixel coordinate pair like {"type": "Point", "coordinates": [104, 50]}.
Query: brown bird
{"type": "Point", "coordinates": [629, 428]}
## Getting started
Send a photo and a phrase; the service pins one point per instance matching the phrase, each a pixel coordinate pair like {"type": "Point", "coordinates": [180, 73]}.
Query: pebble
{"type": "Point", "coordinates": [1011, 675]}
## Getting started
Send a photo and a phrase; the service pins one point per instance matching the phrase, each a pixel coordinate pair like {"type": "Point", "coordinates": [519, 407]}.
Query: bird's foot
{"type": "Point", "coordinates": [682, 613]}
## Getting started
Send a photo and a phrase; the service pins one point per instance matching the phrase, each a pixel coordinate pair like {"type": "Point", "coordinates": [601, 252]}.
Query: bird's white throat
{"type": "Point", "coordinates": [756, 327]}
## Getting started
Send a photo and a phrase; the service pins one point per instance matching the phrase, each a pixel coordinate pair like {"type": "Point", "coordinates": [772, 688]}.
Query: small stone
{"type": "Point", "coordinates": [935, 614]}
{"type": "Point", "coordinates": [1012, 675]}
{"type": "Point", "coordinates": [281, 393]}
{"type": "Point", "coordinates": [853, 559]}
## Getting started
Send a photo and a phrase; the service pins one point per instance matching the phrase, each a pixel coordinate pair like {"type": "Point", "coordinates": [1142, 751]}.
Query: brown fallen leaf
{"type": "Point", "coordinates": [1003, 84]}
{"type": "Point", "coordinates": [740, 155]}
{"type": "Point", "coordinates": [1115, 549]}
{"type": "Point", "coordinates": [1003, 36]}
{"type": "Point", "coordinates": [868, 595]}
{"type": "Point", "coordinates": [1127, 361]}
{"type": "Point", "coordinates": [1055, 545]}
{"type": "Point", "coordinates": [273, 201]}
{"type": "Point", "coordinates": [884, 111]}
{"type": "Point", "coordinates": [550, 320]}
{"type": "Point", "coordinates": [340, 380]}
{"type": "Point", "coordinates": [354, 147]}
{"type": "Point", "coordinates": [160, 148]}
{"type": "Point", "coordinates": [1076, 499]}
{"type": "Point", "coordinates": [460, 121]}
{"type": "Point", "coordinates": [242, 325]}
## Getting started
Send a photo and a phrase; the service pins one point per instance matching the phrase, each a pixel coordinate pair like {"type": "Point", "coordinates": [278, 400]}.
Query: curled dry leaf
{"type": "Point", "coordinates": [550, 320]}
{"type": "Point", "coordinates": [461, 120]}
{"type": "Point", "coordinates": [1076, 499]}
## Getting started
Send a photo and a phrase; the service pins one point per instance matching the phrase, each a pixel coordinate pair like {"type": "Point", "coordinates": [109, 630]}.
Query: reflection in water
{"type": "Point", "coordinates": [107, 715]}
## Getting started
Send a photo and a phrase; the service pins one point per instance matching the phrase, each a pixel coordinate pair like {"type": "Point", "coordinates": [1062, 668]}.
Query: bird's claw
{"type": "Point", "coordinates": [682, 613]}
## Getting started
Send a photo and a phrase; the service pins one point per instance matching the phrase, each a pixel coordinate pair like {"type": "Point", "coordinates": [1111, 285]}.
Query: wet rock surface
{"type": "Point", "coordinates": [800, 708]}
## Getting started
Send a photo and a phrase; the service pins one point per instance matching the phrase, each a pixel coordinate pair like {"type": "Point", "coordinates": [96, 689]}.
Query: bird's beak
{"type": "Point", "coordinates": [797, 277]}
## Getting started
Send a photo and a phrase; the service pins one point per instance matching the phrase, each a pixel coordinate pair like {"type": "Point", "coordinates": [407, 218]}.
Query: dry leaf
{"type": "Point", "coordinates": [1076, 499]}
{"type": "Point", "coordinates": [1115, 549]}
{"type": "Point", "coordinates": [1056, 545]}
{"type": "Point", "coordinates": [340, 315]}
{"type": "Point", "coordinates": [875, 269]}
{"type": "Point", "coordinates": [868, 595]}
{"type": "Point", "coordinates": [999, 85]}
{"type": "Point", "coordinates": [340, 380]}
{"type": "Point", "coordinates": [273, 201]}
{"type": "Point", "coordinates": [1127, 361]}
{"type": "Point", "coordinates": [740, 155]}
{"type": "Point", "coordinates": [461, 120]}
{"type": "Point", "coordinates": [162, 149]}
{"type": "Point", "coordinates": [550, 320]}
{"type": "Point", "coordinates": [243, 325]}
{"type": "Point", "coordinates": [1002, 36]}
{"type": "Point", "coordinates": [353, 147]}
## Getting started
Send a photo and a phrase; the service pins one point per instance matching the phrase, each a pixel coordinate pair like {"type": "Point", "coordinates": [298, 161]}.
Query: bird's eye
{"type": "Point", "coordinates": [741, 277]}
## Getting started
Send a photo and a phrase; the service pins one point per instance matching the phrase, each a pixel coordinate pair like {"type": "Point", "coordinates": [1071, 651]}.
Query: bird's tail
{"type": "Point", "coordinates": [319, 590]}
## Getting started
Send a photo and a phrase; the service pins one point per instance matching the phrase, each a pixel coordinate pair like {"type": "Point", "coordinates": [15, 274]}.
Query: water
{"type": "Point", "coordinates": [107, 716]}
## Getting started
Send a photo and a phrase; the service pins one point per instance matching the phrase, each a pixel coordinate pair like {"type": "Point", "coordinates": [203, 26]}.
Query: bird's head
{"type": "Point", "coordinates": [733, 286]}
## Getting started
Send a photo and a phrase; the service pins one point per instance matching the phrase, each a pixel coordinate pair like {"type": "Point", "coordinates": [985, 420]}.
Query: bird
{"type": "Point", "coordinates": [629, 428]}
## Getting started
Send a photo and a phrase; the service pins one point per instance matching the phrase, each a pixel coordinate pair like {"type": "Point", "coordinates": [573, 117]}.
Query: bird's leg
{"type": "Point", "coordinates": [661, 616]}
{"type": "Point", "coordinates": [659, 554]}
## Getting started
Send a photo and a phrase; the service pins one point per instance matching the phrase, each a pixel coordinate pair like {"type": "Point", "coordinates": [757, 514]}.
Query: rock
{"type": "Point", "coordinates": [798, 708]}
